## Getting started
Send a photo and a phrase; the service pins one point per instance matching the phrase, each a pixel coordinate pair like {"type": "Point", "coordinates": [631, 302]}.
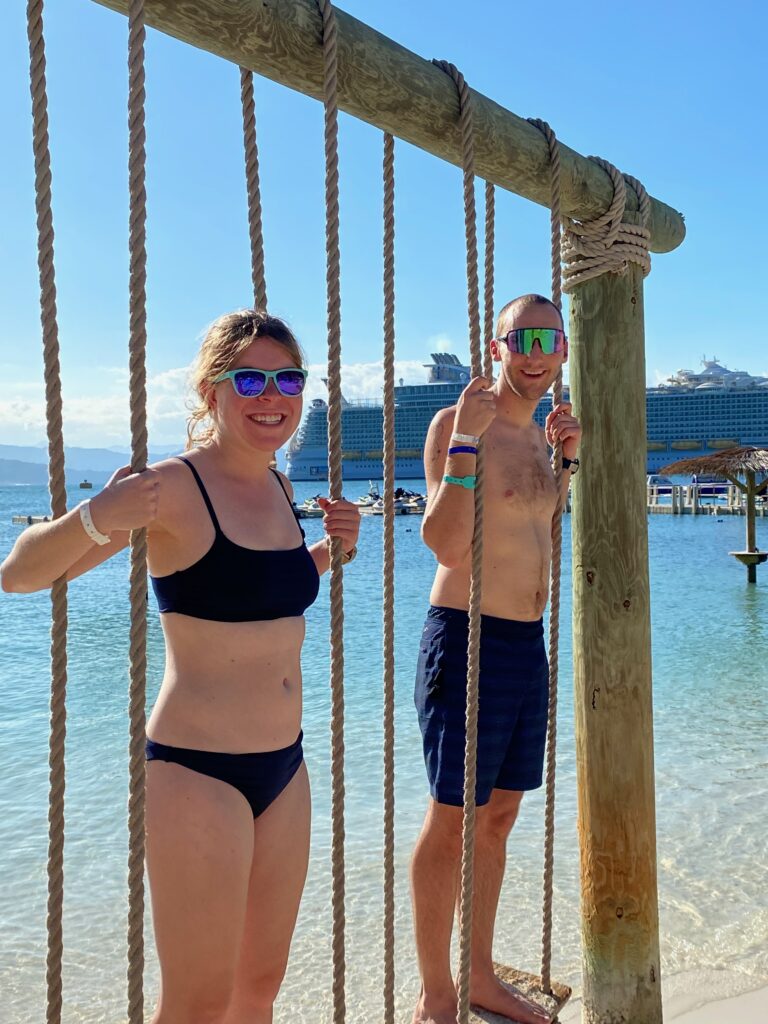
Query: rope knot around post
{"type": "Point", "coordinates": [608, 244]}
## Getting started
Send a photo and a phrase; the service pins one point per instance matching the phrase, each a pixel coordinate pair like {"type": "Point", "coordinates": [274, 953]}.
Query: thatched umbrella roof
{"type": "Point", "coordinates": [733, 463]}
{"type": "Point", "coordinates": [728, 462]}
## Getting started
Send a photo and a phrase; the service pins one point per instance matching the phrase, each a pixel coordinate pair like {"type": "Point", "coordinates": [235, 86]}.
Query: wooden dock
{"type": "Point", "coordinates": [687, 500]}
{"type": "Point", "coordinates": [677, 500]}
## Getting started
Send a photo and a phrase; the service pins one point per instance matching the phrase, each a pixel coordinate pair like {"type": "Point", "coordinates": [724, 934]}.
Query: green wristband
{"type": "Point", "coordinates": [461, 481]}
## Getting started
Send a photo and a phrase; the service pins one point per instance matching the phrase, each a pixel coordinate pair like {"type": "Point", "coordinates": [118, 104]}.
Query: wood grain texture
{"type": "Point", "coordinates": [528, 985]}
{"type": "Point", "coordinates": [398, 91]}
{"type": "Point", "coordinates": [612, 657]}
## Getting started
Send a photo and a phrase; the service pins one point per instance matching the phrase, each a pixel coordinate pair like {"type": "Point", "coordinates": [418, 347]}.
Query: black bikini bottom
{"type": "Point", "coordinates": [260, 777]}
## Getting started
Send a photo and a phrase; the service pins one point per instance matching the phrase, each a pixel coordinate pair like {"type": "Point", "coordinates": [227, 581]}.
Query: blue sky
{"type": "Point", "coordinates": [671, 93]}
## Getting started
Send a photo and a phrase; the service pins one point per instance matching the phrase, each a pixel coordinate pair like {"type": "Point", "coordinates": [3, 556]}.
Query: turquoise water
{"type": "Point", "coordinates": [710, 637]}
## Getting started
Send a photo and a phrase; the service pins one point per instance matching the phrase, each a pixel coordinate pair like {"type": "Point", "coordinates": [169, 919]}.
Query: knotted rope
{"type": "Point", "coordinates": [57, 488]}
{"type": "Point", "coordinates": [250, 146]}
{"type": "Point", "coordinates": [333, 272]}
{"type": "Point", "coordinates": [555, 573]}
{"type": "Point", "coordinates": [608, 244]}
{"type": "Point", "coordinates": [138, 574]}
{"type": "Point", "coordinates": [388, 588]}
{"type": "Point", "coordinates": [473, 647]}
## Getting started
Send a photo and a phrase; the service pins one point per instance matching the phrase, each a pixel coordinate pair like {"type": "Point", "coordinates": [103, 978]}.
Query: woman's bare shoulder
{"type": "Point", "coordinates": [177, 483]}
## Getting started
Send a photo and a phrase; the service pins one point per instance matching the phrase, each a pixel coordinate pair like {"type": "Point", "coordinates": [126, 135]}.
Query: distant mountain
{"type": "Point", "coordinates": [21, 464]}
{"type": "Point", "coordinates": [12, 471]}
{"type": "Point", "coordinates": [79, 460]}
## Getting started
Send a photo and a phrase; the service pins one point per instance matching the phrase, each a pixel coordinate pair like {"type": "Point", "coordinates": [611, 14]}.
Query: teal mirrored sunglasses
{"type": "Point", "coordinates": [250, 383]}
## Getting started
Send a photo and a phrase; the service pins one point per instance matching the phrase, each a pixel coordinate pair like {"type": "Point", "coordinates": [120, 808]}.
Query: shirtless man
{"type": "Point", "coordinates": [520, 501]}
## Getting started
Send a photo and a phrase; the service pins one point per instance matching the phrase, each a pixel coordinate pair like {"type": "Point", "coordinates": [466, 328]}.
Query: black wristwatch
{"type": "Point", "coordinates": [572, 464]}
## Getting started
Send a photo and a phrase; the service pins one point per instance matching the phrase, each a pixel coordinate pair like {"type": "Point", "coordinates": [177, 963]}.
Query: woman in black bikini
{"type": "Point", "coordinates": [227, 789]}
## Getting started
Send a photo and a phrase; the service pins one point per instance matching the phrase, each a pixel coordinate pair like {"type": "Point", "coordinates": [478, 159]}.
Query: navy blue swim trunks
{"type": "Point", "coordinates": [514, 696]}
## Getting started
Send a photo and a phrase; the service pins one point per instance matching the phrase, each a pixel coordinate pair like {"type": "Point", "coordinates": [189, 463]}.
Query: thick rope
{"type": "Point", "coordinates": [554, 581]}
{"type": "Point", "coordinates": [57, 487]}
{"type": "Point", "coordinates": [490, 238]}
{"type": "Point", "coordinates": [333, 274]}
{"type": "Point", "coordinates": [607, 244]}
{"type": "Point", "coordinates": [258, 274]}
{"type": "Point", "coordinates": [473, 647]}
{"type": "Point", "coordinates": [138, 573]}
{"type": "Point", "coordinates": [388, 583]}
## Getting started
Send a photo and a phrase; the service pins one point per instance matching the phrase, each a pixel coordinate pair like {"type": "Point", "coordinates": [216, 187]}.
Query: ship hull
{"type": "Point", "coordinates": [305, 468]}
{"type": "Point", "coordinates": [683, 422]}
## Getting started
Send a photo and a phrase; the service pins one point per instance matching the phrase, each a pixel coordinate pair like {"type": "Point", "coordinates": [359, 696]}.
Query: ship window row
{"type": "Point", "coordinates": [674, 409]}
{"type": "Point", "coordinates": [702, 414]}
{"type": "Point", "coordinates": [751, 417]}
{"type": "Point", "coordinates": [707, 424]}
{"type": "Point", "coordinates": [730, 409]}
{"type": "Point", "coordinates": [756, 410]}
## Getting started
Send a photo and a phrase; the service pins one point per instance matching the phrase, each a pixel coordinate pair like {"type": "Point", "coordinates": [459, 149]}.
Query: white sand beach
{"type": "Point", "coordinates": [750, 1008]}
{"type": "Point", "coordinates": [687, 1007]}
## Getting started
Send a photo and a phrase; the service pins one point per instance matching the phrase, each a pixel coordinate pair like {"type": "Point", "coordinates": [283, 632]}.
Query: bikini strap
{"type": "Point", "coordinates": [288, 499]}
{"type": "Point", "coordinates": [203, 491]}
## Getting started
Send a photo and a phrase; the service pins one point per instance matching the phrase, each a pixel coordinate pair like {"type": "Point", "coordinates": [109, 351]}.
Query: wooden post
{"type": "Point", "coordinates": [612, 657]}
{"type": "Point", "coordinates": [751, 539]}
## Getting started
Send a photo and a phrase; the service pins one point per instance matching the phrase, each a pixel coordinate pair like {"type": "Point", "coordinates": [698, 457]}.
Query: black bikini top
{"type": "Point", "coordinates": [235, 584]}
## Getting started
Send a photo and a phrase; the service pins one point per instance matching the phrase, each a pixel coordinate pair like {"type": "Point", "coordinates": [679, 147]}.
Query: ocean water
{"type": "Point", "coordinates": [710, 652]}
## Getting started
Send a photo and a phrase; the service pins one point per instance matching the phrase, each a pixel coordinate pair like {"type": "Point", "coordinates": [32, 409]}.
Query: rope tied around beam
{"type": "Point", "coordinates": [250, 146]}
{"type": "Point", "coordinates": [555, 575]}
{"type": "Point", "coordinates": [137, 346]}
{"type": "Point", "coordinates": [473, 645]}
{"type": "Point", "coordinates": [607, 244]}
{"type": "Point", "coordinates": [58, 492]}
{"type": "Point", "coordinates": [490, 241]}
{"type": "Point", "coordinates": [333, 277]}
{"type": "Point", "coordinates": [388, 582]}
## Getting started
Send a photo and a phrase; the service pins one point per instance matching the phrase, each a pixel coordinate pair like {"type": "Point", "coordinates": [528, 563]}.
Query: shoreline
{"type": "Point", "coordinates": [747, 1008]}
{"type": "Point", "coordinates": [703, 997]}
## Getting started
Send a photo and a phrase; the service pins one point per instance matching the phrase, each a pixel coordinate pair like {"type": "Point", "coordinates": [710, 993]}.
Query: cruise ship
{"type": "Point", "coordinates": [689, 414]}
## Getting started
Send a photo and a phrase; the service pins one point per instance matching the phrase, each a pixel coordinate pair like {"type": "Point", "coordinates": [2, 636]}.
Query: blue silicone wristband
{"type": "Point", "coordinates": [460, 448]}
{"type": "Point", "coordinates": [461, 481]}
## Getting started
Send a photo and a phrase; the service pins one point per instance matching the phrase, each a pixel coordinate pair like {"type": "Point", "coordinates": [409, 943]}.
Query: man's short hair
{"type": "Point", "coordinates": [523, 302]}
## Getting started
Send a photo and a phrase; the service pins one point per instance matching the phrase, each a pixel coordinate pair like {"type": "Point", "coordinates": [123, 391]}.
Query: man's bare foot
{"type": "Point", "coordinates": [435, 1011]}
{"type": "Point", "coordinates": [489, 993]}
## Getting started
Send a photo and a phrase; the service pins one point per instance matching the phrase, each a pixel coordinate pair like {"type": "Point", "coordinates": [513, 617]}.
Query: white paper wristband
{"type": "Point", "coordinates": [465, 438]}
{"type": "Point", "coordinates": [88, 525]}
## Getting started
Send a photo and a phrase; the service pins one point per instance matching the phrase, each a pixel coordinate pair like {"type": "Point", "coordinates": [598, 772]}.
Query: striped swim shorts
{"type": "Point", "coordinates": [514, 690]}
